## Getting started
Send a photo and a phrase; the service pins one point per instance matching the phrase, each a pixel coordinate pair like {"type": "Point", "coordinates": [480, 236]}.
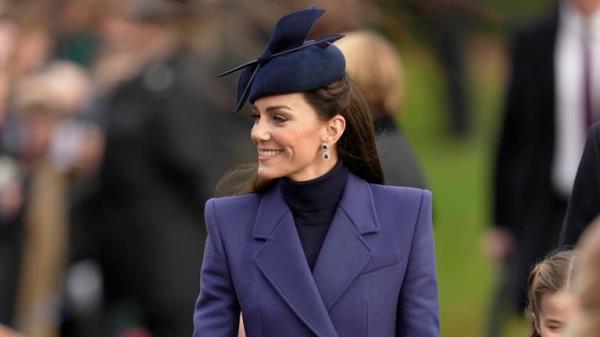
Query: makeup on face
{"type": "Point", "coordinates": [288, 135]}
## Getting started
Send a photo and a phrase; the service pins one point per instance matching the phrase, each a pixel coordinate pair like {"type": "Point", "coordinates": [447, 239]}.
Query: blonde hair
{"type": "Point", "coordinates": [586, 284]}
{"type": "Point", "coordinates": [374, 64]}
{"type": "Point", "coordinates": [62, 88]}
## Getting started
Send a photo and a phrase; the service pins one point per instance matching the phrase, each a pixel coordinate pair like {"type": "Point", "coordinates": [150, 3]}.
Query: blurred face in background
{"type": "Point", "coordinates": [289, 134]}
{"type": "Point", "coordinates": [33, 49]}
{"type": "Point", "coordinates": [8, 41]}
{"type": "Point", "coordinates": [117, 32]}
{"type": "Point", "coordinates": [556, 310]}
{"type": "Point", "coordinates": [586, 7]}
{"type": "Point", "coordinates": [38, 128]}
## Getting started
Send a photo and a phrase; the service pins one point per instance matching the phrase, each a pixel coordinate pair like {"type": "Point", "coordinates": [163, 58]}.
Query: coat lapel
{"type": "Point", "coordinates": [282, 262]}
{"type": "Point", "coordinates": [345, 253]}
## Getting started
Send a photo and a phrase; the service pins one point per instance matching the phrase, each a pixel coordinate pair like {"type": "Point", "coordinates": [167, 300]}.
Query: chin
{"type": "Point", "coordinates": [269, 174]}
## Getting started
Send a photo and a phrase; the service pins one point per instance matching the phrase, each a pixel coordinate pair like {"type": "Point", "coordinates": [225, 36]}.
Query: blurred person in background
{"type": "Point", "coordinates": [373, 63]}
{"type": "Point", "coordinates": [25, 49]}
{"type": "Point", "coordinates": [168, 140]}
{"type": "Point", "coordinates": [585, 285]}
{"type": "Point", "coordinates": [75, 29]}
{"type": "Point", "coordinates": [10, 181]}
{"type": "Point", "coordinates": [11, 202]}
{"type": "Point", "coordinates": [446, 24]}
{"type": "Point", "coordinates": [44, 105]}
{"type": "Point", "coordinates": [8, 42]}
{"type": "Point", "coordinates": [551, 302]}
{"type": "Point", "coordinates": [548, 109]}
{"type": "Point", "coordinates": [584, 204]}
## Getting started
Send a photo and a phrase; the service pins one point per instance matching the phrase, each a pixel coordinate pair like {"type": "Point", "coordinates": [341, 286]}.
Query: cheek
{"type": "Point", "coordinates": [300, 144]}
{"type": "Point", "coordinates": [305, 149]}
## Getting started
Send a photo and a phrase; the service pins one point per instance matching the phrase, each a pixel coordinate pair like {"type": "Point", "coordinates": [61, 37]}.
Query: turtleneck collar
{"type": "Point", "coordinates": [316, 194]}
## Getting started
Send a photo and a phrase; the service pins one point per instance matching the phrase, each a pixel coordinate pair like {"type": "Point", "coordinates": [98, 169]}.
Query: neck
{"type": "Point", "coordinates": [319, 193]}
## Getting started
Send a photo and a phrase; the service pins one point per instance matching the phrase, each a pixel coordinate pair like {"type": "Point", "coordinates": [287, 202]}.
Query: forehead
{"type": "Point", "coordinates": [293, 101]}
{"type": "Point", "coordinates": [558, 306]}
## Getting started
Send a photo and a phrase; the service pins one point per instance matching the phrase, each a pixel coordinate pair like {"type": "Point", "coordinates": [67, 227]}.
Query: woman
{"type": "Point", "coordinates": [317, 248]}
{"type": "Point", "coordinates": [551, 302]}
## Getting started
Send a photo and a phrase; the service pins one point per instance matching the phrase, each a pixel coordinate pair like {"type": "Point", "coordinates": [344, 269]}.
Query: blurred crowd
{"type": "Point", "coordinates": [113, 134]}
{"type": "Point", "coordinates": [114, 131]}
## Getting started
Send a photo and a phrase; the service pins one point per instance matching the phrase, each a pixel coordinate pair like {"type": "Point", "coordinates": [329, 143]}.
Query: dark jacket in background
{"type": "Point", "coordinates": [167, 145]}
{"type": "Point", "coordinates": [584, 204]}
{"type": "Point", "coordinates": [525, 201]}
{"type": "Point", "coordinates": [11, 242]}
{"type": "Point", "coordinates": [398, 160]}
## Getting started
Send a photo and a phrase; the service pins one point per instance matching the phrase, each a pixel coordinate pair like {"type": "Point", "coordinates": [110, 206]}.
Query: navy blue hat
{"type": "Point", "coordinates": [290, 63]}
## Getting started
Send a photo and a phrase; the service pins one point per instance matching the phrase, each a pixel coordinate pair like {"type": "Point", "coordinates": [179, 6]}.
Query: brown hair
{"type": "Point", "coordinates": [356, 147]}
{"type": "Point", "coordinates": [549, 276]}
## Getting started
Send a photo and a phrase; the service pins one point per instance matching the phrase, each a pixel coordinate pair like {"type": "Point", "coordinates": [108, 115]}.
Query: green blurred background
{"type": "Point", "coordinates": [459, 170]}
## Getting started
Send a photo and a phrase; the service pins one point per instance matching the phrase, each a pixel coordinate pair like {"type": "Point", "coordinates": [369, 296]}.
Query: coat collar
{"type": "Point", "coordinates": [356, 201]}
{"type": "Point", "coordinates": [343, 255]}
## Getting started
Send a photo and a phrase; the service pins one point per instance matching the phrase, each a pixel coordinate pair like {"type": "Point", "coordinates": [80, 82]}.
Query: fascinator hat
{"type": "Point", "coordinates": [291, 63]}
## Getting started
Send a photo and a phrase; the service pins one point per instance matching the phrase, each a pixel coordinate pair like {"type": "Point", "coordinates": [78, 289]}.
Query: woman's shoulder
{"type": "Point", "coordinates": [394, 200]}
{"type": "Point", "coordinates": [234, 203]}
{"type": "Point", "coordinates": [232, 216]}
{"type": "Point", "coordinates": [399, 192]}
{"type": "Point", "coordinates": [396, 205]}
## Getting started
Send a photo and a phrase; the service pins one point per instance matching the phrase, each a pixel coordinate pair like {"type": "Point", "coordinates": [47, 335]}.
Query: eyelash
{"type": "Point", "coordinates": [555, 327]}
{"type": "Point", "coordinates": [279, 119]}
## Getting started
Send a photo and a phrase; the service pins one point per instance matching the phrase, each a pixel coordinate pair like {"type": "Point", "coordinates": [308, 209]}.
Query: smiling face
{"type": "Point", "coordinates": [556, 310]}
{"type": "Point", "coordinates": [289, 134]}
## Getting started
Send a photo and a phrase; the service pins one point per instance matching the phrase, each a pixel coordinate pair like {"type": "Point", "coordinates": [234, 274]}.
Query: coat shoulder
{"type": "Point", "coordinates": [228, 211]}
{"type": "Point", "coordinates": [399, 193]}
{"type": "Point", "coordinates": [395, 201]}
{"type": "Point", "coordinates": [235, 201]}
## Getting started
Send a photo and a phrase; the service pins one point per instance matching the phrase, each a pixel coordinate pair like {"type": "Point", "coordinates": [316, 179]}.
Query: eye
{"type": "Point", "coordinates": [555, 327]}
{"type": "Point", "coordinates": [255, 117]}
{"type": "Point", "coordinates": [279, 118]}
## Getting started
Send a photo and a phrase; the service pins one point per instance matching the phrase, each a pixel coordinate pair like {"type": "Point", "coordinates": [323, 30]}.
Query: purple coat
{"type": "Point", "coordinates": [375, 274]}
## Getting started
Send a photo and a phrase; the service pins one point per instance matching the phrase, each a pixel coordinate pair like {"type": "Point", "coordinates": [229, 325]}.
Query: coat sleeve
{"type": "Point", "coordinates": [584, 204]}
{"type": "Point", "coordinates": [217, 310]}
{"type": "Point", "coordinates": [418, 313]}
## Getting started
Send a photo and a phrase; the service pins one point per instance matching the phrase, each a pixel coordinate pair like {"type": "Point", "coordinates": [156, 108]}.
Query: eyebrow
{"type": "Point", "coordinates": [278, 107]}
{"type": "Point", "coordinates": [553, 321]}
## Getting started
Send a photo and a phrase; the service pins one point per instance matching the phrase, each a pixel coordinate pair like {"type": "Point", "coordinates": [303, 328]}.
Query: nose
{"type": "Point", "coordinates": [260, 132]}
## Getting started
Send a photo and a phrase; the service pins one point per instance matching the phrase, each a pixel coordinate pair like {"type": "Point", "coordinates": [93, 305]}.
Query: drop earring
{"type": "Point", "coordinates": [326, 154]}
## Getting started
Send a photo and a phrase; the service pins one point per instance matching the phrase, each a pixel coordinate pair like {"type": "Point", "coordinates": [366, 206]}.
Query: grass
{"type": "Point", "coordinates": [459, 175]}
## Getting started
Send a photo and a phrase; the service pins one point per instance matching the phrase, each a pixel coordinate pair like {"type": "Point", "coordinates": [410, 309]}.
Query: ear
{"type": "Point", "coordinates": [334, 129]}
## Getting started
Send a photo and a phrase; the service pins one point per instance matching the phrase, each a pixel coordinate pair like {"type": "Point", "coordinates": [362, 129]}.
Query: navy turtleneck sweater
{"type": "Point", "coordinates": [313, 204]}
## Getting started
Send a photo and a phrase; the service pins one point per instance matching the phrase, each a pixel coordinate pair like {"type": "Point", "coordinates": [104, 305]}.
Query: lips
{"type": "Point", "coordinates": [264, 154]}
